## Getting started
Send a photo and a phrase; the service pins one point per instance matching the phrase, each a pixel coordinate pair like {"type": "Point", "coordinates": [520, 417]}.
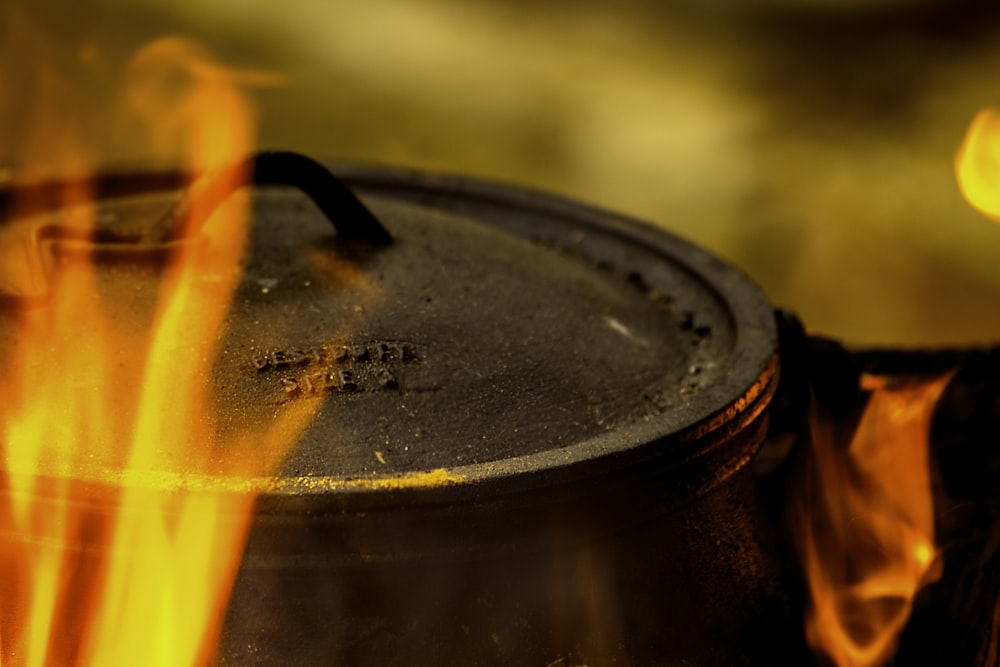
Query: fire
{"type": "Point", "coordinates": [108, 556]}
{"type": "Point", "coordinates": [864, 518]}
{"type": "Point", "coordinates": [977, 164]}
{"type": "Point", "coordinates": [865, 523]}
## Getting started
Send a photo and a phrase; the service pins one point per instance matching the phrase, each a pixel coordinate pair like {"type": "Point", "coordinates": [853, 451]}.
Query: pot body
{"type": "Point", "coordinates": [630, 568]}
{"type": "Point", "coordinates": [567, 400]}
{"type": "Point", "coordinates": [638, 544]}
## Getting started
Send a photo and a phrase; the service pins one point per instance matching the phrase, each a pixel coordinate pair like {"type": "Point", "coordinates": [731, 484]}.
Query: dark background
{"type": "Point", "coordinates": [810, 143]}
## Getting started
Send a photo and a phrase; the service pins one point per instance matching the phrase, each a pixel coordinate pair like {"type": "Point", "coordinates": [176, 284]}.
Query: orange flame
{"type": "Point", "coordinates": [102, 562]}
{"type": "Point", "coordinates": [865, 525]}
{"type": "Point", "coordinates": [977, 164]}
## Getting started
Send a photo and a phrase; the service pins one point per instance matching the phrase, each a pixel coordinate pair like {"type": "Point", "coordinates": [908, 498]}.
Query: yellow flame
{"type": "Point", "coordinates": [977, 164]}
{"type": "Point", "coordinates": [93, 573]}
{"type": "Point", "coordinates": [864, 525]}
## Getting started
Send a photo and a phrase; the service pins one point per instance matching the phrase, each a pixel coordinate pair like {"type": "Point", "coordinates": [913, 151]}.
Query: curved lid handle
{"type": "Point", "coordinates": [23, 267]}
{"type": "Point", "coordinates": [341, 207]}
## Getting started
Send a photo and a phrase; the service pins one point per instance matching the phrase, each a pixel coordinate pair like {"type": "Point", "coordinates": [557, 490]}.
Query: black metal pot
{"type": "Point", "coordinates": [534, 436]}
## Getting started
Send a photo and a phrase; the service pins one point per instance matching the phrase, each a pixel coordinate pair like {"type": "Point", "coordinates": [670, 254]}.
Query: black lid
{"type": "Point", "coordinates": [500, 333]}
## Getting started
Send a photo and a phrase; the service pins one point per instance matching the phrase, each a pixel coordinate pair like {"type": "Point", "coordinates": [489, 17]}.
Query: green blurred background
{"type": "Point", "coordinates": [809, 143]}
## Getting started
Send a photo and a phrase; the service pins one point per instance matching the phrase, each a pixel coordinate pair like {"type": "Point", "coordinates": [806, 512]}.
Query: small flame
{"type": "Point", "coordinates": [99, 566]}
{"type": "Point", "coordinates": [864, 524]}
{"type": "Point", "coordinates": [977, 164]}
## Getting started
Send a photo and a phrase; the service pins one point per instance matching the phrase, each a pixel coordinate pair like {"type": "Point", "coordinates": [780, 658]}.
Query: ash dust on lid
{"type": "Point", "coordinates": [485, 331]}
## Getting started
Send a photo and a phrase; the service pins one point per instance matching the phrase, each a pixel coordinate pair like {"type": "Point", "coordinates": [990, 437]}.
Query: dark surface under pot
{"type": "Point", "coordinates": [533, 437]}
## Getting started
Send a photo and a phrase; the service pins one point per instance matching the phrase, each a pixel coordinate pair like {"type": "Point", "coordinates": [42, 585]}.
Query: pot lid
{"type": "Point", "coordinates": [454, 330]}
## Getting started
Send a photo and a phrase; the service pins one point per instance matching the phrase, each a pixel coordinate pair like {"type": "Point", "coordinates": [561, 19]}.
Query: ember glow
{"type": "Point", "coordinates": [107, 557]}
{"type": "Point", "coordinates": [864, 524]}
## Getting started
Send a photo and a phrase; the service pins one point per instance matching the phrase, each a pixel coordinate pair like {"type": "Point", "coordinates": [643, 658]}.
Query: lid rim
{"type": "Point", "coordinates": [746, 390]}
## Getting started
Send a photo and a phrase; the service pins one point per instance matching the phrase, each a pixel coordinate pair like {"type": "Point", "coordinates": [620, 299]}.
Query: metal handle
{"type": "Point", "coordinates": [341, 207]}
{"type": "Point", "coordinates": [18, 203]}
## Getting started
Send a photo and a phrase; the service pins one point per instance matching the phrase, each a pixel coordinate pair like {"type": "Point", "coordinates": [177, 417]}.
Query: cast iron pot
{"type": "Point", "coordinates": [535, 424]}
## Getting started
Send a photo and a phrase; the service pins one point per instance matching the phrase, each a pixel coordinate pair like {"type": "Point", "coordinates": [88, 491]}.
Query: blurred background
{"type": "Point", "coordinates": [808, 142]}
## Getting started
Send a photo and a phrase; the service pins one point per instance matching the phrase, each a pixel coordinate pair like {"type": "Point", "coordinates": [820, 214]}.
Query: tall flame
{"type": "Point", "coordinates": [102, 561]}
{"type": "Point", "coordinates": [864, 524]}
